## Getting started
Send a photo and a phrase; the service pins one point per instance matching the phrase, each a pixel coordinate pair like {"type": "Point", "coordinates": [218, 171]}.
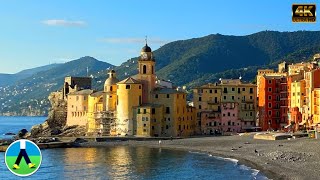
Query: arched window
{"type": "Point", "coordinates": [144, 69]}
{"type": "Point", "coordinates": [110, 88]}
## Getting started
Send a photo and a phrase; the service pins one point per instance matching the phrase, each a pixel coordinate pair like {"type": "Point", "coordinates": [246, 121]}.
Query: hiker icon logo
{"type": "Point", "coordinates": [23, 157]}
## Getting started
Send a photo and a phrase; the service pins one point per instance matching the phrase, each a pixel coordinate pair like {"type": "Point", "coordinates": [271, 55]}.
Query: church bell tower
{"type": "Point", "coordinates": [146, 74]}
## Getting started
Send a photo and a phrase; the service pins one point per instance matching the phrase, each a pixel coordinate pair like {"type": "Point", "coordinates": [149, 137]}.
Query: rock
{"type": "Point", "coordinates": [74, 131]}
{"type": "Point", "coordinates": [9, 134]}
{"type": "Point", "coordinates": [22, 132]}
{"type": "Point", "coordinates": [56, 131]}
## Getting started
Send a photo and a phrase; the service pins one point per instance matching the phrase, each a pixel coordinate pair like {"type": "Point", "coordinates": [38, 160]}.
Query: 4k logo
{"type": "Point", "coordinates": [304, 13]}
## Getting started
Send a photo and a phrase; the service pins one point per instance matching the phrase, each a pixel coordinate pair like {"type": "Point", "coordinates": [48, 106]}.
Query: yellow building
{"type": "Point", "coordinates": [78, 107]}
{"type": "Point", "coordinates": [297, 96]}
{"type": "Point", "coordinates": [316, 105]}
{"type": "Point", "coordinates": [139, 105]}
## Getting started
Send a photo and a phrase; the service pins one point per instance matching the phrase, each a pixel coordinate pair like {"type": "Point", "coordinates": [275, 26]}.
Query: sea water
{"type": "Point", "coordinates": [126, 162]}
{"type": "Point", "coordinates": [14, 124]}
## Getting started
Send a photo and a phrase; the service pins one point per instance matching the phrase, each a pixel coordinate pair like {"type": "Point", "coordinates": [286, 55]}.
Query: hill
{"type": "Point", "coordinates": [9, 79]}
{"type": "Point", "coordinates": [200, 60]}
{"type": "Point", "coordinates": [190, 62]}
{"type": "Point", "coordinates": [29, 96]}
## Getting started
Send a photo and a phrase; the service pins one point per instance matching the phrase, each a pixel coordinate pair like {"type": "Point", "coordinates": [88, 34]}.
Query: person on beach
{"type": "Point", "coordinates": [23, 153]}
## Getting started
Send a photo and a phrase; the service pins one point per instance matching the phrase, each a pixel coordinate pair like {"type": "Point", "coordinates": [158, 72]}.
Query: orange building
{"type": "Point", "coordinates": [272, 95]}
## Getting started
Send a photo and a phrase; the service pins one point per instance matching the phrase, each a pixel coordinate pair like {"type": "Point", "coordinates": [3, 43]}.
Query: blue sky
{"type": "Point", "coordinates": [35, 33]}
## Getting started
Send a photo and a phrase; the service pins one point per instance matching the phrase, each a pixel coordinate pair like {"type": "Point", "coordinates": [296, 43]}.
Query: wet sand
{"type": "Point", "coordinates": [283, 159]}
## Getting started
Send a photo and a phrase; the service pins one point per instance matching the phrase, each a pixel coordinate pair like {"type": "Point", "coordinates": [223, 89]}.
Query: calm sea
{"type": "Point", "coordinates": [125, 162]}
{"type": "Point", "coordinates": [16, 123]}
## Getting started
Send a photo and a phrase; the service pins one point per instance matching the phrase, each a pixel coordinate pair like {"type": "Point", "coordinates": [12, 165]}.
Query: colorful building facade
{"type": "Point", "coordinates": [140, 105]}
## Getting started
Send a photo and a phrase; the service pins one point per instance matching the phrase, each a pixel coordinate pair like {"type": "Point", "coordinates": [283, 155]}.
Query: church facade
{"type": "Point", "coordinates": [140, 105]}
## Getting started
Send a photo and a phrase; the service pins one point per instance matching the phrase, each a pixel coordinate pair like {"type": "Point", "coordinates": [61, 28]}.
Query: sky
{"type": "Point", "coordinates": [36, 32]}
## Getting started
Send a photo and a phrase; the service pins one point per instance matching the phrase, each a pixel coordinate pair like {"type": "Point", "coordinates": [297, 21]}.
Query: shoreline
{"type": "Point", "coordinates": [280, 159]}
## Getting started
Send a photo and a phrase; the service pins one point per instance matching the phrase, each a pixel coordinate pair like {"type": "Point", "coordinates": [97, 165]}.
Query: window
{"type": "Point", "coordinates": [251, 113]}
{"type": "Point", "coordinates": [153, 111]}
{"type": "Point", "coordinates": [224, 115]}
{"type": "Point", "coordinates": [139, 111]}
{"type": "Point", "coordinates": [251, 97]}
{"type": "Point", "coordinates": [110, 88]}
{"type": "Point", "coordinates": [251, 90]}
{"type": "Point", "coordinates": [224, 97]}
{"type": "Point", "coordinates": [269, 89]}
{"type": "Point", "coordinates": [269, 112]}
{"type": "Point", "coordinates": [168, 119]}
{"type": "Point", "coordinates": [140, 100]}
{"type": "Point", "coordinates": [269, 97]}
{"type": "Point", "coordinates": [144, 69]}
{"type": "Point", "coordinates": [210, 91]}
{"type": "Point", "coordinates": [228, 113]}
{"type": "Point", "coordinates": [232, 97]}
{"type": "Point", "coordinates": [167, 127]}
{"type": "Point", "coordinates": [139, 87]}
{"type": "Point", "coordinates": [168, 110]}
{"type": "Point", "coordinates": [270, 81]}
{"type": "Point", "coordinates": [156, 96]}
{"type": "Point", "coordinates": [127, 86]}
{"type": "Point", "coordinates": [234, 115]}
{"type": "Point", "coordinates": [225, 90]}
{"type": "Point", "coordinates": [215, 91]}
{"type": "Point", "coordinates": [200, 98]}
{"type": "Point", "coordinates": [144, 111]}
{"type": "Point", "coordinates": [233, 89]}
{"type": "Point", "coordinates": [168, 96]}
{"type": "Point", "coordinates": [152, 127]}
{"type": "Point", "coordinates": [269, 105]}
{"type": "Point", "coordinates": [243, 89]}
{"type": "Point", "coordinates": [144, 125]}
{"type": "Point", "coordinates": [199, 106]}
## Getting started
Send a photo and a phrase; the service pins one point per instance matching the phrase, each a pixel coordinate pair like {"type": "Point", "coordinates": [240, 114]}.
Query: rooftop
{"type": "Point", "coordinates": [129, 80]}
{"type": "Point", "coordinates": [82, 92]}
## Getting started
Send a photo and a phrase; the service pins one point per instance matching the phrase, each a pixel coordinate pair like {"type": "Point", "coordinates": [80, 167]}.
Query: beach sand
{"type": "Point", "coordinates": [283, 159]}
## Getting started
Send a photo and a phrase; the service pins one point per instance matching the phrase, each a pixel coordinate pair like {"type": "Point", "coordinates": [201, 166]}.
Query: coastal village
{"type": "Point", "coordinates": [143, 105]}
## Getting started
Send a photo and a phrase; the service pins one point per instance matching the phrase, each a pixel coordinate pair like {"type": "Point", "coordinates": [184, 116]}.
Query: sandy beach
{"type": "Point", "coordinates": [283, 159]}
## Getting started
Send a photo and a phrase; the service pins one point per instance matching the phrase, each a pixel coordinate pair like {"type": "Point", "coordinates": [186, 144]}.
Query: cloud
{"type": "Point", "coordinates": [134, 40]}
{"type": "Point", "coordinates": [62, 22]}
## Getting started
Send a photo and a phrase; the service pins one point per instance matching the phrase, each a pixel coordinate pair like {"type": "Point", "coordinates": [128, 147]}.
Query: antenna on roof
{"type": "Point", "coordinates": [146, 40]}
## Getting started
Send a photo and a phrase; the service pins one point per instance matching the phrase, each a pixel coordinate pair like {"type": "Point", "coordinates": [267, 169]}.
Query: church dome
{"type": "Point", "coordinates": [111, 81]}
{"type": "Point", "coordinates": [112, 78]}
{"type": "Point", "coordinates": [146, 48]}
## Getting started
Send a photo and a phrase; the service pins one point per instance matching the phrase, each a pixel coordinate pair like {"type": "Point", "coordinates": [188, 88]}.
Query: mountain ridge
{"type": "Point", "coordinates": [195, 61]}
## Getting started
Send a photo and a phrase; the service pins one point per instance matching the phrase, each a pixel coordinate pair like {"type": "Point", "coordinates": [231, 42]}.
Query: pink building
{"type": "Point", "coordinates": [230, 121]}
{"type": "Point", "coordinates": [210, 122]}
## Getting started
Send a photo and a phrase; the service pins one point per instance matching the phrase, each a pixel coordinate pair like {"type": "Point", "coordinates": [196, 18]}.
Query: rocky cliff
{"type": "Point", "coordinates": [55, 125]}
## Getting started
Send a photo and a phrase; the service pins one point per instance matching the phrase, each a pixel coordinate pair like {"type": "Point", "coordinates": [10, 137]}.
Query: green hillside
{"type": "Point", "coordinates": [31, 94]}
{"type": "Point", "coordinates": [189, 62]}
